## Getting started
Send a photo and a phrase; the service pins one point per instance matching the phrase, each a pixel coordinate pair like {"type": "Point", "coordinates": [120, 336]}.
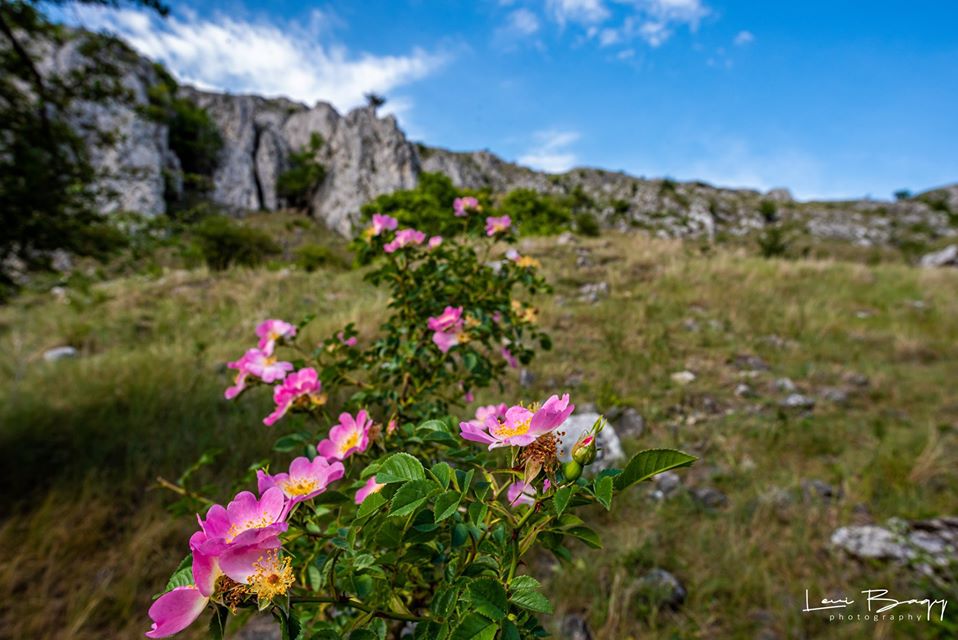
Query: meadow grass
{"type": "Point", "coordinates": [82, 441]}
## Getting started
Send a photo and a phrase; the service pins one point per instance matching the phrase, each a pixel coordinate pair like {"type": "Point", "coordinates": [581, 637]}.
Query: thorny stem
{"type": "Point", "coordinates": [163, 483]}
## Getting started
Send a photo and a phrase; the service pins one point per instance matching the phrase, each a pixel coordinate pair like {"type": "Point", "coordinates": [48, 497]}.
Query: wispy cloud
{"type": "Point", "coordinates": [743, 38]}
{"type": "Point", "coordinates": [522, 22]}
{"type": "Point", "coordinates": [616, 22]}
{"type": "Point", "coordinates": [580, 11]}
{"type": "Point", "coordinates": [551, 152]}
{"type": "Point", "coordinates": [265, 57]}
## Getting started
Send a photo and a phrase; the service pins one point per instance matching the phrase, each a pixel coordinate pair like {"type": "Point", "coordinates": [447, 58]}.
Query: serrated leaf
{"type": "Point", "coordinates": [370, 505]}
{"type": "Point", "coordinates": [475, 627]}
{"type": "Point", "coordinates": [586, 535]}
{"type": "Point", "coordinates": [603, 491]}
{"type": "Point", "coordinates": [411, 496]}
{"type": "Point", "coordinates": [561, 499]}
{"type": "Point", "coordinates": [486, 596]}
{"type": "Point", "coordinates": [180, 578]}
{"type": "Point", "coordinates": [447, 504]}
{"type": "Point", "coordinates": [442, 472]}
{"type": "Point", "coordinates": [400, 467]}
{"type": "Point", "coordinates": [524, 583]}
{"type": "Point", "coordinates": [646, 464]}
{"type": "Point", "coordinates": [524, 592]}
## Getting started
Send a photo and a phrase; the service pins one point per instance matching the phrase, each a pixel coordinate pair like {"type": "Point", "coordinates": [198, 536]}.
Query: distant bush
{"type": "Point", "coordinates": [536, 213]}
{"type": "Point", "coordinates": [310, 257]}
{"type": "Point", "coordinates": [773, 241]}
{"type": "Point", "coordinates": [587, 224]}
{"type": "Point", "coordinates": [297, 184]}
{"type": "Point", "coordinates": [426, 207]}
{"type": "Point", "coordinates": [768, 210]}
{"type": "Point", "coordinates": [902, 194]}
{"type": "Point", "coordinates": [224, 243]}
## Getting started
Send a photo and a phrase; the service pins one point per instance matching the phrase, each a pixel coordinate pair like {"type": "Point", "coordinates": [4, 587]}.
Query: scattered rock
{"type": "Point", "coordinates": [690, 324]}
{"type": "Point", "coordinates": [924, 544]}
{"type": "Point", "coordinates": [776, 341]}
{"type": "Point", "coordinates": [785, 385]}
{"type": "Point", "coordinates": [947, 257]}
{"type": "Point", "coordinates": [575, 627]}
{"type": "Point", "coordinates": [566, 237]}
{"type": "Point", "coordinates": [814, 489]}
{"type": "Point", "coordinates": [864, 314]}
{"type": "Point", "coordinates": [608, 445]}
{"type": "Point", "coordinates": [59, 353]}
{"type": "Point", "coordinates": [743, 390]}
{"type": "Point", "coordinates": [857, 379]}
{"type": "Point", "coordinates": [710, 405]}
{"type": "Point", "coordinates": [526, 377]}
{"type": "Point", "coordinates": [593, 291]}
{"type": "Point", "coordinates": [747, 362]}
{"type": "Point", "coordinates": [798, 401]}
{"type": "Point", "coordinates": [683, 377]}
{"type": "Point", "coordinates": [631, 424]}
{"type": "Point", "coordinates": [709, 497]}
{"type": "Point", "coordinates": [835, 395]}
{"type": "Point", "coordinates": [661, 589]}
{"type": "Point", "coordinates": [666, 485]}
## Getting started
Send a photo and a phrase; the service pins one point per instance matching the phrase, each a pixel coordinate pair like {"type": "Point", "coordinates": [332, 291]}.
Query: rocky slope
{"type": "Point", "coordinates": [366, 155]}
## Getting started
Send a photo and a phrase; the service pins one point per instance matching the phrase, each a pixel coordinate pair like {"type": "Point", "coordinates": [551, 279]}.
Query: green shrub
{"type": "Point", "coordinates": [536, 213]}
{"type": "Point", "coordinates": [773, 241]}
{"type": "Point", "coordinates": [426, 207]}
{"type": "Point", "coordinates": [587, 224]}
{"type": "Point", "coordinates": [310, 257]}
{"type": "Point", "coordinates": [768, 210]}
{"type": "Point", "coordinates": [223, 243]}
{"type": "Point", "coordinates": [297, 184]}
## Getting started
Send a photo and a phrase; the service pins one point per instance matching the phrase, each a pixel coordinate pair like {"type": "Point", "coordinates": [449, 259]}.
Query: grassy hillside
{"type": "Point", "coordinates": [88, 539]}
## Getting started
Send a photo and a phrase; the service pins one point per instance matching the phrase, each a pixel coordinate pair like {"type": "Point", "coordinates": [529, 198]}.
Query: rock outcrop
{"type": "Point", "coordinates": [365, 155]}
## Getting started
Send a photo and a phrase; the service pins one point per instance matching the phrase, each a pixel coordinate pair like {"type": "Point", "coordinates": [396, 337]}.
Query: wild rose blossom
{"type": "Point", "coordinates": [462, 206]}
{"type": "Point", "coordinates": [382, 223]}
{"type": "Point", "coordinates": [349, 342]}
{"type": "Point", "coordinates": [368, 489]}
{"type": "Point", "coordinates": [350, 436]}
{"type": "Point", "coordinates": [306, 479]}
{"type": "Point", "coordinates": [520, 492]}
{"type": "Point", "coordinates": [302, 388]}
{"type": "Point", "coordinates": [272, 331]}
{"type": "Point", "coordinates": [496, 225]}
{"type": "Point", "coordinates": [434, 242]}
{"type": "Point", "coordinates": [510, 359]}
{"type": "Point", "coordinates": [404, 238]}
{"type": "Point", "coordinates": [245, 522]}
{"type": "Point", "coordinates": [447, 328]}
{"type": "Point", "coordinates": [259, 364]}
{"type": "Point", "coordinates": [519, 426]}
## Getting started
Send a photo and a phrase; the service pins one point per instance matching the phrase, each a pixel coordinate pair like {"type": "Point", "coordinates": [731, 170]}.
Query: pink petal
{"type": "Point", "coordinates": [175, 611]}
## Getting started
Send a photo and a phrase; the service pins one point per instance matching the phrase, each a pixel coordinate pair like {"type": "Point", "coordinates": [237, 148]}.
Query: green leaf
{"type": "Point", "coordinates": [524, 592]}
{"type": "Point", "coordinates": [400, 467]}
{"type": "Point", "coordinates": [475, 627]}
{"type": "Point", "coordinates": [363, 634]}
{"type": "Point", "coordinates": [586, 535]}
{"type": "Point", "coordinates": [411, 496]}
{"type": "Point", "coordinates": [292, 442]}
{"type": "Point", "coordinates": [646, 464]}
{"type": "Point", "coordinates": [370, 505]}
{"type": "Point", "coordinates": [561, 499]}
{"type": "Point", "coordinates": [603, 491]}
{"type": "Point", "coordinates": [486, 596]}
{"type": "Point", "coordinates": [447, 504]}
{"type": "Point", "coordinates": [509, 631]}
{"type": "Point", "coordinates": [442, 472]}
{"type": "Point", "coordinates": [217, 628]}
{"type": "Point", "coordinates": [460, 533]}
{"type": "Point", "coordinates": [180, 578]}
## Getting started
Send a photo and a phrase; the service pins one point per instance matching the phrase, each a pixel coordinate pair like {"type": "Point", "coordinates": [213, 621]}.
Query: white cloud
{"type": "Point", "coordinates": [743, 38]}
{"type": "Point", "coordinates": [581, 11]}
{"type": "Point", "coordinates": [522, 22]}
{"type": "Point", "coordinates": [551, 152]}
{"type": "Point", "coordinates": [271, 59]}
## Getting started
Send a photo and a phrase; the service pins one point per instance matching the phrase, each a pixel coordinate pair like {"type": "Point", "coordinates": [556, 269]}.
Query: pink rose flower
{"type": "Point", "coordinates": [300, 388]}
{"type": "Point", "coordinates": [368, 489]}
{"type": "Point", "coordinates": [405, 238]}
{"type": "Point", "coordinates": [306, 479]}
{"type": "Point", "coordinates": [510, 359]}
{"type": "Point", "coordinates": [448, 319]}
{"type": "Point", "coordinates": [272, 331]}
{"type": "Point", "coordinates": [462, 206]}
{"type": "Point", "coordinates": [259, 364]}
{"type": "Point", "coordinates": [519, 426]}
{"type": "Point", "coordinates": [383, 223]}
{"type": "Point", "coordinates": [434, 242]}
{"type": "Point", "coordinates": [349, 342]}
{"type": "Point", "coordinates": [496, 225]}
{"type": "Point", "coordinates": [350, 436]}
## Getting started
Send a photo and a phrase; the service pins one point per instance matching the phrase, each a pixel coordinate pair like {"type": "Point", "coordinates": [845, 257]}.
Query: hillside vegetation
{"type": "Point", "coordinates": [88, 538]}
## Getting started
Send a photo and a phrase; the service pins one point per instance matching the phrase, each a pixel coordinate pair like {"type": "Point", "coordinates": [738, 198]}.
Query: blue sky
{"type": "Point", "coordinates": [840, 98]}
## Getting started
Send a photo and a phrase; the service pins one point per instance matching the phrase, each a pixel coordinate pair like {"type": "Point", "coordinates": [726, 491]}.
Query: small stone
{"type": "Point", "coordinates": [575, 627]}
{"type": "Point", "coordinates": [709, 497]}
{"type": "Point", "coordinates": [566, 237]}
{"type": "Point", "coordinates": [747, 362]}
{"type": "Point", "coordinates": [871, 541]}
{"type": "Point", "coordinates": [743, 390]}
{"type": "Point", "coordinates": [683, 377]}
{"type": "Point", "coordinates": [661, 589]}
{"type": "Point", "coordinates": [631, 424]}
{"type": "Point", "coordinates": [690, 324]}
{"type": "Point", "coordinates": [798, 401]}
{"type": "Point", "coordinates": [666, 485]}
{"type": "Point", "coordinates": [819, 490]}
{"type": "Point", "coordinates": [593, 291]}
{"type": "Point", "coordinates": [59, 353]}
{"type": "Point", "coordinates": [526, 378]}
{"type": "Point", "coordinates": [835, 395]}
{"type": "Point", "coordinates": [785, 385]}
{"type": "Point", "coordinates": [857, 379]}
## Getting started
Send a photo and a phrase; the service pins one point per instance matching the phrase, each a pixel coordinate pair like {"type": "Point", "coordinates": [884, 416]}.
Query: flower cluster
{"type": "Point", "coordinates": [447, 328]}
{"type": "Point", "coordinates": [462, 206]}
{"type": "Point", "coordinates": [260, 362]}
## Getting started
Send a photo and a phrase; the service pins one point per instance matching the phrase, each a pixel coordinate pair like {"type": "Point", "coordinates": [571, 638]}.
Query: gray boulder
{"type": "Point", "coordinates": [947, 257]}
{"type": "Point", "coordinates": [661, 589]}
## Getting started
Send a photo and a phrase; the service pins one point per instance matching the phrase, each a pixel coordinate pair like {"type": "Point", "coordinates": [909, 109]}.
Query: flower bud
{"type": "Point", "coordinates": [583, 451]}
{"type": "Point", "coordinates": [572, 470]}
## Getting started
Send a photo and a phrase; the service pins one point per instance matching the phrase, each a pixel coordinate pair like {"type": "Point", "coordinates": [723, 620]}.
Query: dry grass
{"type": "Point", "coordinates": [81, 440]}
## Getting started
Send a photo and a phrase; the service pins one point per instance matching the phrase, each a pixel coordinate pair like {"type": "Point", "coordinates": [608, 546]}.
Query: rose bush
{"type": "Point", "coordinates": [396, 513]}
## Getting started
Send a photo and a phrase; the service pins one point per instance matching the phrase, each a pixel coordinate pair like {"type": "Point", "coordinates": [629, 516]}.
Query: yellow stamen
{"type": "Point", "coordinates": [300, 486]}
{"type": "Point", "coordinates": [349, 443]}
{"type": "Point", "coordinates": [518, 429]}
{"type": "Point", "coordinates": [272, 577]}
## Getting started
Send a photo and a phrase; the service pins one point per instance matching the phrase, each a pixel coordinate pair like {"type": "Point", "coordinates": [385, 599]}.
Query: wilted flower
{"type": "Point", "coordinates": [350, 436]}
{"type": "Point", "coordinates": [300, 389]}
{"type": "Point", "coordinates": [306, 479]}
{"type": "Point", "coordinates": [462, 206]}
{"type": "Point", "coordinates": [519, 426]}
{"type": "Point", "coordinates": [404, 238]}
{"type": "Point", "coordinates": [367, 489]}
{"type": "Point", "coordinates": [496, 225]}
{"type": "Point", "coordinates": [272, 331]}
